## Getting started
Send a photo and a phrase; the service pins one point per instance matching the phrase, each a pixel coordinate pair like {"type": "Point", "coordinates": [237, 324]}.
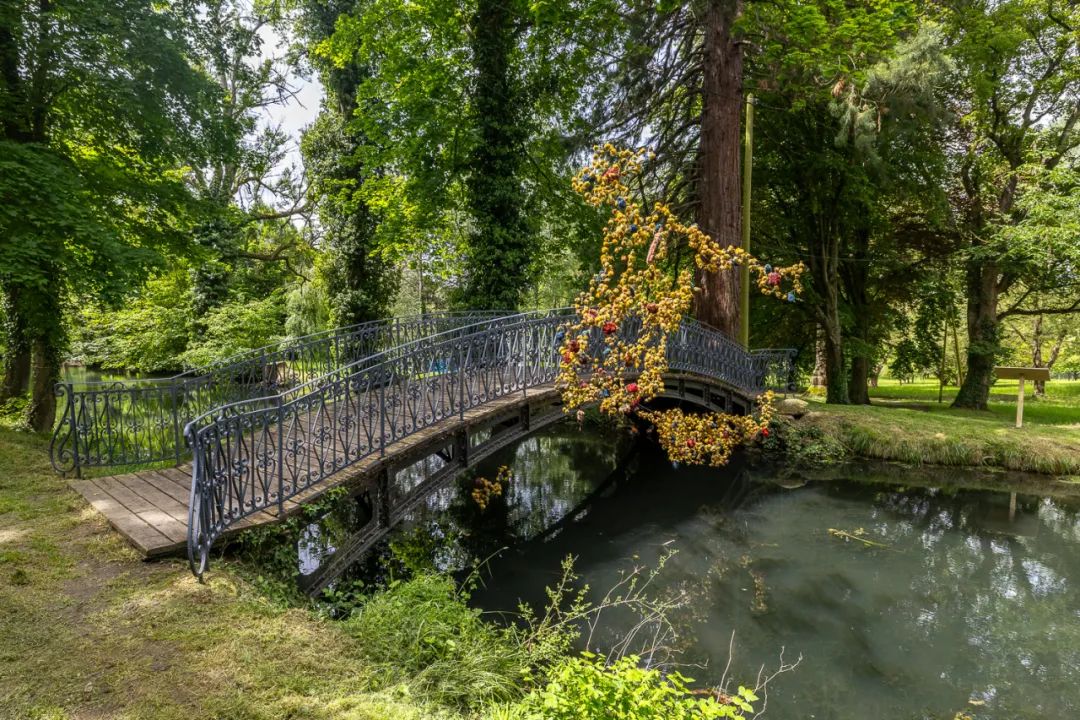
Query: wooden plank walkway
{"type": "Point", "coordinates": [150, 507]}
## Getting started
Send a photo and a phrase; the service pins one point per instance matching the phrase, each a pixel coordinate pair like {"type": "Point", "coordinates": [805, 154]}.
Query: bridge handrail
{"type": "Point", "coordinates": [256, 454]}
{"type": "Point", "coordinates": [291, 342]}
{"type": "Point", "coordinates": [136, 423]}
{"type": "Point", "coordinates": [374, 359]}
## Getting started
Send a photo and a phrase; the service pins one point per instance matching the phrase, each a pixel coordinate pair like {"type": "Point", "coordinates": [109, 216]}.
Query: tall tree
{"type": "Point", "coordinates": [98, 106]}
{"type": "Point", "coordinates": [473, 111]}
{"type": "Point", "coordinates": [361, 281]}
{"type": "Point", "coordinates": [719, 194]}
{"type": "Point", "coordinates": [849, 98]}
{"type": "Point", "coordinates": [1017, 132]}
{"type": "Point", "coordinates": [674, 81]}
{"type": "Point", "coordinates": [499, 249]}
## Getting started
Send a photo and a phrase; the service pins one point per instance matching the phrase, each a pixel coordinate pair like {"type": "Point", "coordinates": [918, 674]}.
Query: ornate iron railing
{"type": "Point", "coordinates": [141, 421]}
{"type": "Point", "coordinates": [255, 455]}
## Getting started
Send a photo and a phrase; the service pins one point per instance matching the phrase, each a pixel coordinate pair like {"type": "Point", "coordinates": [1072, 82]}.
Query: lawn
{"type": "Point", "coordinates": [1060, 405]}
{"type": "Point", "coordinates": [906, 423]}
{"type": "Point", "coordinates": [90, 631]}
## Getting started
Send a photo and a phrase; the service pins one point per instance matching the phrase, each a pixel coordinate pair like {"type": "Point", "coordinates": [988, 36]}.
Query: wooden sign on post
{"type": "Point", "coordinates": [1021, 374]}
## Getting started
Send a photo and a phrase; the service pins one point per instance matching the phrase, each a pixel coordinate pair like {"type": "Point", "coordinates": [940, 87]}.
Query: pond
{"type": "Point", "coordinates": [81, 375]}
{"type": "Point", "coordinates": [914, 600]}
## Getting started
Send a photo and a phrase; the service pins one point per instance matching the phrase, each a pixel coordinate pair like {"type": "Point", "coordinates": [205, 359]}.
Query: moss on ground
{"type": "Point", "coordinates": [88, 630]}
{"type": "Point", "coordinates": [904, 424]}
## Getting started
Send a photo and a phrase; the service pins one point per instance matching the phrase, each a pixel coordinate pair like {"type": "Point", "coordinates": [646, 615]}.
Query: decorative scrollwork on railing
{"type": "Point", "coordinates": [140, 422]}
{"type": "Point", "coordinates": [255, 455]}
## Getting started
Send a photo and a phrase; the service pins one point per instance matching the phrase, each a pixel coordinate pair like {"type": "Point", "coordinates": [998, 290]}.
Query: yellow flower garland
{"type": "Point", "coordinates": [617, 371]}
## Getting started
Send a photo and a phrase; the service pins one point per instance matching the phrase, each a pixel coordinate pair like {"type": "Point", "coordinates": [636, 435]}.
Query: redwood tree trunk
{"type": "Point", "coordinates": [982, 327]}
{"type": "Point", "coordinates": [719, 187]}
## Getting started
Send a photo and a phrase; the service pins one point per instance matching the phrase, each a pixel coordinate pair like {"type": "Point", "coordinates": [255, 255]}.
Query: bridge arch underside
{"type": "Point", "coordinates": [400, 483]}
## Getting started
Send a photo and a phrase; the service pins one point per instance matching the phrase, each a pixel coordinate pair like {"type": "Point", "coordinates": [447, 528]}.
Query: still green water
{"type": "Point", "coordinates": [81, 375]}
{"type": "Point", "coordinates": [956, 604]}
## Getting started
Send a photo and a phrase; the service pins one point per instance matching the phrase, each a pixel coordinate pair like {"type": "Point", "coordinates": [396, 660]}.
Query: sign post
{"type": "Point", "coordinates": [1022, 374]}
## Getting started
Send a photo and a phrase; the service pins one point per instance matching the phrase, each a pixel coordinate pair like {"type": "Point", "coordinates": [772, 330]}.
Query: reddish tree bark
{"type": "Point", "coordinates": [719, 186]}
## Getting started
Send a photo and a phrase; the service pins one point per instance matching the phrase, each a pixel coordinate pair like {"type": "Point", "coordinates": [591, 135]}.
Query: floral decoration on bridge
{"type": "Point", "coordinates": [615, 353]}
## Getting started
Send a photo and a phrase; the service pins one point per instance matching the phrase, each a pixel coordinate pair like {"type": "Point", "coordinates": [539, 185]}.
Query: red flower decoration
{"type": "Point", "coordinates": [574, 346]}
{"type": "Point", "coordinates": [691, 443]}
{"type": "Point", "coordinates": [652, 307]}
{"type": "Point", "coordinates": [567, 358]}
{"type": "Point", "coordinates": [609, 328]}
{"type": "Point", "coordinates": [612, 173]}
{"type": "Point", "coordinates": [631, 388]}
{"type": "Point", "coordinates": [765, 432]}
{"type": "Point", "coordinates": [773, 278]}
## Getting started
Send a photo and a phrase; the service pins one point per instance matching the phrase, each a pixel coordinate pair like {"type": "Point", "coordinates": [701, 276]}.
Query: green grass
{"type": "Point", "coordinates": [1060, 406]}
{"type": "Point", "coordinates": [906, 423]}
{"type": "Point", "coordinates": [88, 630]}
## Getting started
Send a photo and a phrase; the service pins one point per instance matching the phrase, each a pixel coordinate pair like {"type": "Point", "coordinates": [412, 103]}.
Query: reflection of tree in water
{"type": "Point", "coordinates": [960, 604]}
{"type": "Point", "coordinates": [994, 604]}
{"type": "Point", "coordinates": [554, 470]}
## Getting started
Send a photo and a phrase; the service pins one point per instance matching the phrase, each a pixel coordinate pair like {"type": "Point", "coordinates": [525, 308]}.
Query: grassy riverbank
{"type": "Point", "coordinates": [88, 630]}
{"type": "Point", "coordinates": [906, 423]}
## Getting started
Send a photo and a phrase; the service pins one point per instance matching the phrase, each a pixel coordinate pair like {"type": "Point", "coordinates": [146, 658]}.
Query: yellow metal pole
{"type": "Point", "coordinates": [744, 271]}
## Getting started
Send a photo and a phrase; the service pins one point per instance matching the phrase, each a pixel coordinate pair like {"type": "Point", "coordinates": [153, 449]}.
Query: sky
{"type": "Point", "coordinates": [298, 112]}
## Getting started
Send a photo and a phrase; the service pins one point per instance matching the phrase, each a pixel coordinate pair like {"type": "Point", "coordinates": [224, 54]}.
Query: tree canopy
{"type": "Point", "coordinates": [919, 158]}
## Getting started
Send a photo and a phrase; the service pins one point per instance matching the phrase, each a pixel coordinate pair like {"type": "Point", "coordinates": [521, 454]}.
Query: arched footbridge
{"type": "Point", "coordinates": [248, 441]}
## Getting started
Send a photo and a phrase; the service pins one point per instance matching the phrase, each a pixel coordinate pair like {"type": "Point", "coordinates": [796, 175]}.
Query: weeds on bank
{"type": "Point", "coordinates": [906, 424]}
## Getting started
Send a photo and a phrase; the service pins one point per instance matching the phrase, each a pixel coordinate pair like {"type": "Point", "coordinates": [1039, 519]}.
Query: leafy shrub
{"type": "Point", "coordinates": [237, 326]}
{"type": "Point", "coordinates": [803, 444]}
{"type": "Point", "coordinates": [148, 333]}
{"type": "Point", "coordinates": [422, 632]}
{"type": "Point", "coordinates": [584, 688]}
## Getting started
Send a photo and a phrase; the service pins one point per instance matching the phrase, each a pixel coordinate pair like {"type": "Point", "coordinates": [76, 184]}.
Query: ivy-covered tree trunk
{"type": "Point", "coordinates": [46, 373]}
{"type": "Point", "coordinates": [836, 391]}
{"type": "Point", "coordinates": [499, 248]}
{"type": "Point", "coordinates": [824, 273]}
{"type": "Point", "coordinates": [719, 187]}
{"type": "Point", "coordinates": [16, 380]}
{"type": "Point", "coordinates": [983, 335]}
{"type": "Point", "coordinates": [47, 344]}
{"type": "Point", "coordinates": [856, 277]}
{"type": "Point", "coordinates": [361, 283]}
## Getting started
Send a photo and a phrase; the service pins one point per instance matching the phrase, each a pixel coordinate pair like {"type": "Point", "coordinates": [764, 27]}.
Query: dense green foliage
{"type": "Point", "coordinates": [919, 158]}
{"type": "Point", "coordinates": [587, 688]}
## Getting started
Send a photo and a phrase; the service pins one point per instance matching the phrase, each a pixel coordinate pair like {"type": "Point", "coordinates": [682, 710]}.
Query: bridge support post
{"type": "Point", "coordinates": [383, 493]}
{"type": "Point", "coordinates": [461, 447]}
{"type": "Point", "coordinates": [526, 417]}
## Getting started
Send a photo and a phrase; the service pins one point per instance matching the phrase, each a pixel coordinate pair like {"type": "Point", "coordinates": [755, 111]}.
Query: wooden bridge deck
{"type": "Point", "coordinates": [150, 507]}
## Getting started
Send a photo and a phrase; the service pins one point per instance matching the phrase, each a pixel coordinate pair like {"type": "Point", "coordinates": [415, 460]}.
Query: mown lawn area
{"type": "Point", "coordinates": [906, 423]}
{"type": "Point", "coordinates": [88, 630]}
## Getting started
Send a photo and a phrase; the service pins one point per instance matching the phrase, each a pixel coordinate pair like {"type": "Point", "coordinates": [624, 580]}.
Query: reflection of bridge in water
{"type": "Point", "coordinates": [278, 427]}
